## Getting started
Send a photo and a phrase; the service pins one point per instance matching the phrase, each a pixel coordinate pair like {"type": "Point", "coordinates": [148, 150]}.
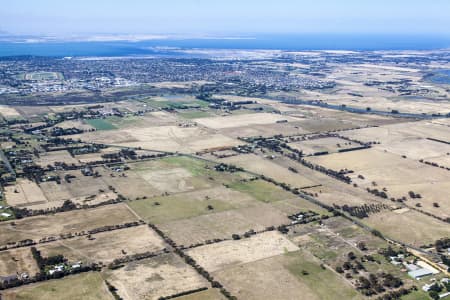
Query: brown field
{"type": "Point", "coordinates": [409, 227]}
{"type": "Point", "coordinates": [131, 186]}
{"type": "Point", "coordinates": [75, 123]}
{"type": "Point", "coordinates": [163, 138]}
{"type": "Point", "coordinates": [223, 224]}
{"type": "Point", "coordinates": [106, 246]}
{"type": "Point", "coordinates": [172, 180]}
{"type": "Point", "coordinates": [243, 120]}
{"type": "Point", "coordinates": [295, 205]}
{"type": "Point", "coordinates": [86, 286]}
{"type": "Point", "coordinates": [266, 130]}
{"type": "Point", "coordinates": [228, 253]}
{"type": "Point", "coordinates": [328, 144]}
{"type": "Point", "coordinates": [24, 192]}
{"type": "Point", "coordinates": [152, 278]}
{"type": "Point", "coordinates": [397, 174]}
{"type": "Point", "coordinates": [280, 277]}
{"type": "Point", "coordinates": [50, 158]}
{"type": "Point", "coordinates": [8, 112]}
{"type": "Point", "coordinates": [209, 294]}
{"type": "Point", "coordinates": [73, 221]}
{"type": "Point", "coordinates": [17, 261]}
{"type": "Point", "coordinates": [260, 165]}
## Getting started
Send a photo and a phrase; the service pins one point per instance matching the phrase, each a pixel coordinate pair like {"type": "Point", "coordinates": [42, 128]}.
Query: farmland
{"type": "Point", "coordinates": [278, 175]}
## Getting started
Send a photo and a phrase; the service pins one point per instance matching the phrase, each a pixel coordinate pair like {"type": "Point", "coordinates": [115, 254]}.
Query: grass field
{"type": "Point", "coordinates": [325, 283]}
{"type": "Point", "coordinates": [150, 279]}
{"type": "Point", "coordinates": [194, 114]}
{"type": "Point", "coordinates": [100, 124]}
{"type": "Point", "coordinates": [183, 205]}
{"type": "Point", "coordinates": [87, 286]}
{"type": "Point", "coordinates": [261, 190]}
{"type": "Point", "coordinates": [209, 294]}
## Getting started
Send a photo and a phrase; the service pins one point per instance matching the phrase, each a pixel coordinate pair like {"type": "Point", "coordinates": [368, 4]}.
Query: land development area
{"type": "Point", "coordinates": [251, 175]}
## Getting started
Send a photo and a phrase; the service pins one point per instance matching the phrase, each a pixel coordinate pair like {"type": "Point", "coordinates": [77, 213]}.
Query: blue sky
{"type": "Point", "coordinates": [224, 17]}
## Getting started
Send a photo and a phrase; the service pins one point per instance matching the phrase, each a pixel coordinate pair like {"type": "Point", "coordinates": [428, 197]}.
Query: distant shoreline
{"type": "Point", "coordinates": [178, 47]}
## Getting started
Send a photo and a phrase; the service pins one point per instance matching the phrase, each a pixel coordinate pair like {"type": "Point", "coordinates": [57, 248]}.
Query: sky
{"type": "Point", "coordinates": [223, 17]}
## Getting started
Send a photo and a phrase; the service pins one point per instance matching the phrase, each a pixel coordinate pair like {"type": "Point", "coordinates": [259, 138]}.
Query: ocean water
{"type": "Point", "coordinates": [268, 42]}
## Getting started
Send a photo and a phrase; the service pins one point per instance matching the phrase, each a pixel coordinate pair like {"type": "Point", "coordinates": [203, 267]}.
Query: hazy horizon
{"type": "Point", "coordinates": [231, 18]}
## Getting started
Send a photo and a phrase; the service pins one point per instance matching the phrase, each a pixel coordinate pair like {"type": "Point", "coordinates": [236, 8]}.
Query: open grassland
{"type": "Point", "coordinates": [242, 120]}
{"type": "Point", "coordinates": [24, 192]}
{"type": "Point", "coordinates": [222, 225]}
{"type": "Point", "coordinates": [281, 277]}
{"type": "Point", "coordinates": [163, 138]}
{"type": "Point", "coordinates": [209, 294]}
{"type": "Point", "coordinates": [263, 166]}
{"type": "Point", "coordinates": [261, 190]}
{"type": "Point", "coordinates": [396, 174]}
{"type": "Point", "coordinates": [17, 261]}
{"type": "Point", "coordinates": [87, 286]}
{"type": "Point", "coordinates": [106, 246]}
{"type": "Point", "coordinates": [73, 221]}
{"type": "Point", "coordinates": [100, 124]}
{"type": "Point", "coordinates": [194, 114]}
{"type": "Point", "coordinates": [409, 227]}
{"type": "Point", "coordinates": [189, 204]}
{"type": "Point", "coordinates": [237, 252]}
{"type": "Point", "coordinates": [328, 144]}
{"type": "Point", "coordinates": [164, 275]}
{"type": "Point", "coordinates": [50, 158]}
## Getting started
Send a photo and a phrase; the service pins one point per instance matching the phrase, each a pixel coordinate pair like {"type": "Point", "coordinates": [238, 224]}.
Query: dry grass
{"type": "Point", "coordinates": [236, 252]}
{"type": "Point", "coordinates": [156, 277]}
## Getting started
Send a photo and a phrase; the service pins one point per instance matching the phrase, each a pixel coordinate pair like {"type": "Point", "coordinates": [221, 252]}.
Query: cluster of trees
{"type": "Point", "coordinates": [433, 164]}
{"type": "Point", "coordinates": [332, 173]}
{"type": "Point", "coordinates": [59, 131]}
{"type": "Point", "coordinates": [54, 143]}
{"type": "Point", "coordinates": [437, 288]}
{"type": "Point", "coordinates": [113, 290]}
{"type": "Point", "coordinates": [118, 262]}
{"type": "Point", "coordinates": [382, 194]}
{"type": "Point", "coordinates": [183, 293]}
{"type": "Point", "coordinates": [375, 284]}
{"type": "Point", "coordinates": [25, 212]}
{"type": "Point", "coordinates": [43, 262]}
{"type": "Point", "coordinates": [442, 244]}
{"type": "Point", "coordinates": [362, 211]}
{"type": "Point", "coordinates": [227, 168]}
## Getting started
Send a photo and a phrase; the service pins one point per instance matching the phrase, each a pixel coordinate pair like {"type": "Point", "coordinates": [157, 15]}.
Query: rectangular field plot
{"type": "Point", "coordinates": [262, 166]}
{"type": "Point", "coordinates": [24, 192]}
{"type": "Point", "coordinates": [160, 276]}
{"type": "Point", "coordinates": [237, 252]}
{"type": "Point", "coordinates": [17, 261]}
{"type": "Point", "coordinates": [189, 204]}
{"type": "Point", "coordinates": [280, 277]}
{"type": "Point", "coordinates": [261, 190]}
{"type": "Point", "coordinates": [86, 286]}
{"type": "Point", "coordinates": [409, 227]}
{"type": "Point", "coordinates": [50, 158]}
{"type": "Point", "coordinates": [327, 144]}
{"type": "Point", "coordinates": [242, 120]}
{"type": "Point", "coordinates": [162, 138]}
{"type": "Point", "coordinates": [224, 224]}
{"type": "Point", "coordinates": [106, 246]}
{"type": "Point", "coordinates": [397, 175]}
{"type": "Point", "coordinates": [73, 221]}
